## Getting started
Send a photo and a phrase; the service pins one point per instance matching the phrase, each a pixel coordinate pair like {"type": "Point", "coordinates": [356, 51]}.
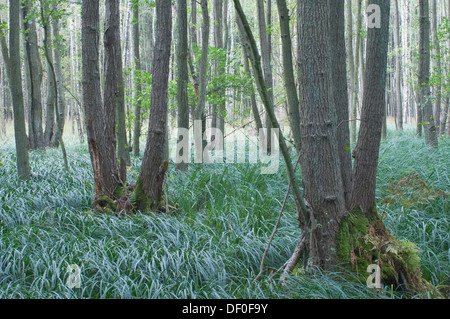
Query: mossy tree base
{"type": "Point", "coordinates": [362, 242]}
{"type": "Point", "coordinates": [131, 198]}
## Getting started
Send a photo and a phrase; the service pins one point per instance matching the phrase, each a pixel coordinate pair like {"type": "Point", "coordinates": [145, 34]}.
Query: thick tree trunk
{"type": "Point", "coordinates": [111, 40]}
{"type": "Point", "coordinates": [15, 84]}
{"type": "Point", "coordinates": [374, 100]}
{"type": "Point", "coordinates": [319, 159]}
{"type": "Point", "coordinates": [101, 147]}
{"type": "Point", "coordinates": [148, 193]}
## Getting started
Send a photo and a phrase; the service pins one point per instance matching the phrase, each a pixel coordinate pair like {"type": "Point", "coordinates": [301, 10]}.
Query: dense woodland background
{"type": "Point", "coordinates": [213, 240]}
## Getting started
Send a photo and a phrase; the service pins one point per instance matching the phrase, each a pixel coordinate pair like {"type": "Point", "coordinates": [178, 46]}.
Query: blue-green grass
{"type": "Point", "coordinates": [211, 247]}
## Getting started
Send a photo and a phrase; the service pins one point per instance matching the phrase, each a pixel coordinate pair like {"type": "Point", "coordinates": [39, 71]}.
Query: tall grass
{"type": "Point", "coordinates": [210, 248]}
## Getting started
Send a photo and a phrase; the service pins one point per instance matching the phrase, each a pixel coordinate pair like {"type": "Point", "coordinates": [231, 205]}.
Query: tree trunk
{"type": "Point", "coordinates": [341, 98]}
{"type": "Point", "coordinates": [318, 122]}
{"type": "Point", "coordinates": [398, 67]}
{"type": "Point", "coordinates": [60, 99]}
{"type": "Point", "coordinates": [219, 109]}
{"type": "Point", "coordinates": [36, 135]}
{"type": "Point", "coordinates": [51, 73]}
{"type": "Point", "coordinates": [201, 103]}
{"type": "Point", "coordinates": [111, 81]}
{"type": "Point", "coordinates": [355, 102]}
{"type": "Point", "coordinates": [425, 104]}
{"type": "Point", "coordinates": [15, 84]}
{"type": "Point", "coordinates": [265, 43]}
{"type": "Point", "coordinates": [247, 57]}
{"type": "Point", "coordinates": [289, 80]}
{"type": "Point", "coordinates": [49, 131]}
{"type": "Point", "coordinates": [98, 127]}
{"type": "Point", "coordinates": [182, 79]}
{"type": "Point", "coordinates": [436, 65]}
{"type": "Point", "coordinates": [137, 80]}
{"type": "Point", "coordinates": [148, 193]}
{"type": "Point", "coordinates": [374, 100]}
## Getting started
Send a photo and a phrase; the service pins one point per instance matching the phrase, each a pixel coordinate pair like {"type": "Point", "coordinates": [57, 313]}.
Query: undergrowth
{"type": "Point", "coordinates": [212, 246]}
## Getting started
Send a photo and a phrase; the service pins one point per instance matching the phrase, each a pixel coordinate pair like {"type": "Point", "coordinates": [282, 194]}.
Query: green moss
{"type": "Point", "coordinates": [139, 199]}
{"type": "Point", "coordinates": [352, 228]}
{"type": "Point", "coordinates": [119, 191]}
{"type": "Point", "coordinates": [362, 241]}
{"type": "Point", "coordinates": [104, 204]}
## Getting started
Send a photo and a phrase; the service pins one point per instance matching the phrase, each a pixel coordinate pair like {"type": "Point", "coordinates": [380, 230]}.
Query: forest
{"type": "Point", "coordinates": [224, 149]}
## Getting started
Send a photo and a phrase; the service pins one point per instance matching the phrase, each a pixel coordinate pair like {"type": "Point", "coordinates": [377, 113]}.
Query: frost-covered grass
{"type": "Point", "coordinates": [211, 247]}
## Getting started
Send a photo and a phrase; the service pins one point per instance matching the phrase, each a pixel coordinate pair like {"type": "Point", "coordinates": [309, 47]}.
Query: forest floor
{"type": "Point", "coordinates": [212, 246]}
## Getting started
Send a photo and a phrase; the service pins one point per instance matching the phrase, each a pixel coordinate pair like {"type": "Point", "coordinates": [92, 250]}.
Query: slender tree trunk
{"type": "Point", "coordinates": [219, 109]}
{"type": "Point", "coordinates": [47, 54]}
{"type": "Point", "coordinates": [201, 103]}
{"type": "Point", "coordinates": [36, 135]}
{"type": "Point", "coordinates": [338, 65]}
{"type": "Point", "coordinates": [247, 57]}
{"type": "Point", "coordinates": [425, 104]}
{"type": "Point", "coordinates": [355, 102]}
{"type": "Point", "coordinates": [350, 54]}
{"type": "Point", "coordinates": [60, 99]}
{"type": "Point", "coordinates": [267, 64]}
{"type": "Point", "coordinates": [448, 83]}
{"type": "Point", "coordinates": [289, 80]}
{"type": "Point", "coordinates": [182, 78]}
{"type": "Point", "coordinates": [398, 67]}
{"type": "Point", "coordinates": [49, 132]}
{"type": "Point", "coordinates": [150, 182]}
{"type": "Point", "coordinates": [436, 65]}
{"type": "Point", "coordinates": [137, 80]}
{"type": "Point", "coordinates": [23, 165]}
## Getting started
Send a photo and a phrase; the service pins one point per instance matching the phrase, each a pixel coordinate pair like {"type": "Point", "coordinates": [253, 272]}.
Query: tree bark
{"type": "Point", "coordinates": [319, 158]}
{"type": "Point", "coordinates": [111, 40]}
{"type": "Point", "coordinates": [265, 44]}
{"type": "Point", "coordinates": [398, 67]}
{"type": "Point", "coordinates": [149, 185]}
{"type": "Point", "coordinates": [248, 56]}
{"type": "Point", "coordinates": [15, 84]}
{"type": "Point", "coordinates": [289, 80]}
{"type": "Point", "coordinates": [341, 98]}
{"type": "Point", "coordinates": [36, 134]}
{"type": "Point", "coordinates": [374, 100]}
{"type": "Point", "coordinates": [101, 149]}
{"type": "Point", "coordinates": [49, 133]}
{"type": "Point", "coordinates": [201, 102]}
{"type": "Point", "coordinates": [137, 80]}
{"type": "Point", "coordinates": [182, 78]}
{"type": "Point", "coordinates": [355, 102]}
{"type": "Point", "coordinates": [425, 104]}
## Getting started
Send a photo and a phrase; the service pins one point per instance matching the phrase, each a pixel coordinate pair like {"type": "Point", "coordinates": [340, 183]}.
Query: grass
{"type": "Point", "coordinates": [211, 247]}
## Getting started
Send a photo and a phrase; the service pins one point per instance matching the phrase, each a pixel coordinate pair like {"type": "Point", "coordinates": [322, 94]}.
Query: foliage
{"type": "Point", "coordinates": [211, 247]}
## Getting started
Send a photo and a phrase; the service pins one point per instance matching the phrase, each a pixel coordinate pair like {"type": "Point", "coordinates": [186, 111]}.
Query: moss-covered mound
{"type": "Point", "coordinates": [362, 242]}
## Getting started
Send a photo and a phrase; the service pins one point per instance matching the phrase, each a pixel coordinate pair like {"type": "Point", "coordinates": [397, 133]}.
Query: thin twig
{"type": "Point", "coordinates": [261, 268]}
